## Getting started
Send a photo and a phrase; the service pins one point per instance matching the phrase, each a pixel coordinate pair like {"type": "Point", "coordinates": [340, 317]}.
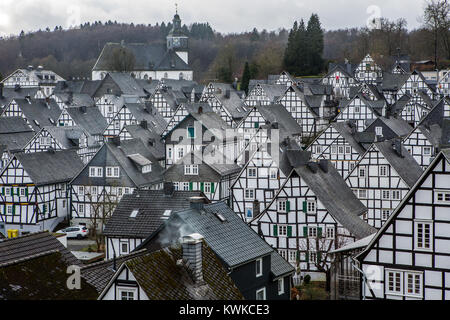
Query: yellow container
{"type": "Point", "coordinates": [13, 233]}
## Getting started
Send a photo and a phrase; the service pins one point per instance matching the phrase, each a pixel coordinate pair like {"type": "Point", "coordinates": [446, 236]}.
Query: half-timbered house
{"type": "Point", "coordinates": [118, 168]}
{"type": "Point", "coordinates": [35, 189]}
{"type": "Point", "coordinates": [382, 178]}
{"type": "Point", "coordinates": [340, 80]}
{"type": "Point", "coordinates": [264, 94]}
{"type": "Point", "coordinates": [368, 71]}
{"type": "Point", "coordinates": [408, 257]}
{"type": "Point", "coordinates": [312, 213]}
{"type": "Point", "coordinates": [443, 86]}
{"type": "Point", "coordinates": [412, 109]}
{"type": "Point", "coordinates": [388, 128]}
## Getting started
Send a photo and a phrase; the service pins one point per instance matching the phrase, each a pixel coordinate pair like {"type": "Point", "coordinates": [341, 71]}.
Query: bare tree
{"type": "Point", "coordinates": [436, 20]}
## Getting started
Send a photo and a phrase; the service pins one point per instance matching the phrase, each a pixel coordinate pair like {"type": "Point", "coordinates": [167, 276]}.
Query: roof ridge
{"type": "Point", "coordinates": [130, 255]}
{"type": "Point", "coordinates": [34, 256]}
{"type": "Point", "coordinates": [24, 236]}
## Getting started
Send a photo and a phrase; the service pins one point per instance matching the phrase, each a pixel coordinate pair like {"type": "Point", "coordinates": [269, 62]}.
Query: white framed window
{"type": "Point", "coordinates": [362, 172]}
{"type": "Point", "coordinates": [22, 192]}
{"type": "Point", "coordinates": [7, 191]}
{"type": "Point", "coordinates": [318, 149]}
{"type": "Point", "coordinates": [185, 186]}
{"type": "Point", "coordinates": [379, 131]}
{"type": "Point", "coordinates": [180, 153]}
{"type": "Point", "coordinates": [394, 282]}
{"type": "Point", "coordinates": [426, 151]}
{"type": "Point", "coordinates": [261, 294]}
{"type": "Point", "coordinates": [283, 253]}
{"type": "Point", "coordinates": [362, 194]}
{"type": "Point", "coordinates": [348, 150]}
{"type": "Point", "coordinates": [127, 293]}
{"type": "Point", "coordinates": [385, 213]}
{"type": "Point", "coordinates": [127, 191]}
{"type": "Point", "coordinates": [9, 209]}
{"type": "Point", "coordinates": [252, 172]}
{"type": "Point", "coordinates": [383, 171]}
{"type": "Point", "coordinates": [81, 208]}
{"type": "Point", "coordinates": [423, 231]}
{"type": "Point", "coordinates": [259, 267]}
{"type": "Point", "coordinates": [396, 195]}
{"type": "Point", "coordinates": [45, 141]}
{"type": "Point", "coordinates": [313, 257]}
{"type": "Point", "coordinates": [352, 166]}
{"type": "Point", "coordinates": [312, 232]}
{"type": "Point", "coordinates": [413, 286]}
{"type": "Point", "coordinates": [310, 207]}
{"type": "Point", "coordinates": [385, 195]}
{"type": "Point", "coordinates": [442, 196]}
{"type": "Point", "coordinates": [147, 168]}
{"type": "Point", "coordinates": [292, 256]}
{"type": "Point", "coordinates": [282, 230]}
{"type": "Point", "coordinates": [273, 173]}
{"type": "Point", "coordinates": [281, 205]}
{"type": "Point", "coordinates": [94, 190]}
{"type": "Point", "coordinates": [357, 109]}
{"type": "Point", "coordinates": [333, 149]}
{"type": "Point", "coordinates": [95, 172]}
{"type": "Point", "coordinates": [330, 232]}
{"type": "Point", "coordinates": [249, 194]}
{"type": "Point", "coordinates": [191, 169]}
{"type": "Point", "coordinates": [280, 286]}
{"type": "Point", "coordinates": [341, 149]}
{"type": "Point", "coordinates": [207, 187]}
{"type": "Point", "coordinates": [124, 249]}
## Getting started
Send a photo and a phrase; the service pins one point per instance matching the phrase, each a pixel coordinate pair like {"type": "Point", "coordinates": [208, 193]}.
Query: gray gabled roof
{"type": "Point", "coordinates": [152, 204]}
{"type": "Point", "coordinates": [399, 126]}
{"type": "Point", "coordinates": [17, 249]}
{"type": "Point", "coordinates": [50, 167]}
{"type": "Point", "coordinates": [350, 135]}
{"type": "Point", "coordinates": [232, 103]}
{"type": "Point", "coordinates": [277, 113]}
{"type": "Point", "coordinates": [46, 114]}
{"type": "Point", "coordinates": [339, 200]}
{"type": "Point", "coordinates": [66, 136]}
{"type": "Point", "coordinates": [145, 112]}
{"type": "Point", "coordinates": [13, 125]}
{"type": "Point", "coordinates": [15, 141]}
{"type": "Point", "coordinates": [149, 138]}
{"type": "Point", "coordinates": [405, 165]}
{"type": "Point", "coordinates": [90, 119]}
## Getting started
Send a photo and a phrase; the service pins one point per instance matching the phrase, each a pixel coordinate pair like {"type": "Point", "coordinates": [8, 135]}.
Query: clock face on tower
{"type": "Point", "coordinates": [176, 42]}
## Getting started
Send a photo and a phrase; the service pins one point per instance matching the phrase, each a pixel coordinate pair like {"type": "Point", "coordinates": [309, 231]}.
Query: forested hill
{"type": "Point", "coordinates": [73, 52]}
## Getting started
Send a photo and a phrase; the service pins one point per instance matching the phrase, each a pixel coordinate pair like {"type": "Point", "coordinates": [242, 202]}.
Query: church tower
{"type": "Point", "coordinates": [177, 40]}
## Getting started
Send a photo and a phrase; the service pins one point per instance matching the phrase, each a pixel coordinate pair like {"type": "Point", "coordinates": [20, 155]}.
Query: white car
{"type": "Point", "coordinates": [78, 232]}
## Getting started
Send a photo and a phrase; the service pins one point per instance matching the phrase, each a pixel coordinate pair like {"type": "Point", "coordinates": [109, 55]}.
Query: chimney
{"type": "Point", "coordinates": [116, 141]}
{"type": "Point", "coordinates": [28, 98]}
{"type": "Point", "coordinates": [168, 188]}
{"type": "Point", "coordinates": [197, 203]}
{"type": "Point", "coordinates": [83, 109]}
{"type": "Point", "coordinates": [1, 90]}
{"type": "Point", "coordinates": [192, 253]}
{"type": "Point", "coordinates": [312, 166]}
{"type": "Point", "coordinates": [323, 164]}
{"type": "Point", "coordinates": [256, 208]}
{"type": "Point", "coordinates": [200, 110]}
{"type": "Point", "coordinates": [274, 125]}
{"type": "Point", "coordinates": [151, 142]}
{"type": "Point", "coordinates": [227, 94]}
{"type": "Point", "coordinates": [397, 145]}
{"type": "Point", "coordinates": [144, 124]}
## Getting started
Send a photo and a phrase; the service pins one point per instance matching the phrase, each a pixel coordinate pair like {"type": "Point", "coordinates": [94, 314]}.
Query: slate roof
{"type": "Point", "coordinates": [150, 139]}
{"type": "Point", "coordinates": [339, 200]}
{"type": "Point", "coordinates": [50, 167]}
{"type": "Point", "coordinates": [38, 110]}
{"type": "Point", "coordinates": [76, 99]}
{"type": "Point", "coordinates": [162, 278]}
{"type": "Point", "coordinates": [13, 125]}
{"type": "Point", "coordinates": [11, 93]}
{"type": "Point", "coordinates": [92, 120]}
{"type": "Point", "coordinates": [394, 81]}
{"type": "Point", "coordinates": [345, 130]}
{"type": "Point", "coordinates": [65, 136]}
{"type": "Point", "coordinates": [100, 273]}
{"type": "Point", "coordinates": [151, 205]}
{"type": "Point", "coordinates": [233, 241]}
{"type": "Point", "coordinates": [232, 103]}
{"type": "Point", "coordinates": [77, 87]}
{"type": "Point", "coordinates": [399, 126]}
{"type": "Point", "coordinates": [41, 277]}
{"type": "Point", "coordinates": [14, 250]}
{"type": "Point", "coordinates": [148, 57]}
{"type": "Point", "coordinates": [155, 120]}
{"type": "Point", "coordinates": [278, 113]}
{"type": "Point", "coordinates": [126, 83]}
{"type": "Point", "coordinates": [406, 166]}
{"type": "Point", "coordinates": [15, 141]}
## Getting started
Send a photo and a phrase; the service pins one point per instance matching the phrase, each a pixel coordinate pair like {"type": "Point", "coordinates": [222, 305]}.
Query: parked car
{"type": "Point", "coordinates": [78, 232]}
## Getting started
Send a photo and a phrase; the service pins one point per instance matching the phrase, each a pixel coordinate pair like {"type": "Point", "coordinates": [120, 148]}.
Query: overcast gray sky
{"type": "Point", "coordinates": [223, 15]}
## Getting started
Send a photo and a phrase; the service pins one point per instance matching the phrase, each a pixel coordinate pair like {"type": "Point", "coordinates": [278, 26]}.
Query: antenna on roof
{"type": "Point", "coordinates": [176, 8]}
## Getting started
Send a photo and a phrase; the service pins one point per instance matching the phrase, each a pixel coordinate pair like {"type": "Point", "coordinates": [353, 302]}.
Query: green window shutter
{"type": "Point", "coordinates": [12, 191]}
{"type": "Point", "coordinates": [18, 191]}
{"type": "Point", "coordinates": [288, 206]}
{"type": "Point", "coordinates": [319, 232]}
{"type": "Point", "coordinates": [3, 191]}
{"type": "Point", "coordinates": [289, 231]}
{"type": "Point", "coordinates": [275, 230]}
{"type": "Point", "coordinates": [13, 209]}
{"type": "Point", "coordinates": [191, 132]}
{"type": "Point", "coordinates": [26, 192]}
{"type": "Point", "coordinates": [191, 186]}
{"type": "Point", "coordinates": [305, 208]}
{"type": "Point", "coordinates": [202, 186]}
{"type": "Point", "coordinates": [256, 125]}
{"type": "Point", "coordinates": [212, 187]}
{"type": "Point", "coordinates": [44, 210]}
{"type": "Point", "coordinates": [307, 256]}
{"type": "Point", "coordinates": [305, 231]}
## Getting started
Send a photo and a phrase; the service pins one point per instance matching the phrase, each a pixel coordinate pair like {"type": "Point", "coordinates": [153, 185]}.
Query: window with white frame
{"type": "Point", "coordinates": [310, 207]}
{"type": "Point", "coordinates": [273, 173]}
{"type": "Point", "coordinates": [312, 232]}
{"type": "Point", "coordinates": [385, 213]}
{"type": "Point", "coordinates": [251, 172]}
{"type": "Point", "coordinates": [318, 149]}
{"type": "Point", "coordinates": [45, 141]}
{"type": "Point", "coordinates": [292, 256]}
{"type": "Point", "coordinates": [379, 131]}
{"type": "Point", "coordinates": [385, 194]}
{"type": "Point", "coordinates": [362, 194]}
{"type": "Point", "coordinates": [330, 232]}
{"type": "Point", "coordinates": [180, 153]}
{"type": "Point", "coordinates": [357, 109]}
{"type": "Point", "coordinates": [191, 169]}
{"type": "Point", "coordinates": [423, 234]}
{"type": "Point", "coordinates": [280, 286]}
{"type": "Point", "coordinates": [7, 191]}
{"type": "Point", "coordinates": [348, 150]}
{"type": "Point", "coordinates": [283, 253]}
{"type": "Point", "coordinates": [413, 285]}
{"type": "Point", "coordinates": [426, 151]}
{"type": "Point", "coordinates": [442, 196]}
{"type": "Point", "coordinates": [259, 267]}
{"type": "Point", "coordinates": [394, 283]}
{"type": "Point", "coordinates": [9, 209]}
{"type": "Point", "coordinates": [396, 195]}
{"type": "Point", "coordinates": [95, 172]}
{"type": "Point", "coordinates": [261, 294]}
{"type": "Point", "coordinates": [112, 172]}
{"type": "Point", "coordinates": [249, 194]}
{"type": "Point", "coordinates": [124, 249]}
{"type": "Point", "coordinates": [383, 171]}
{"type": "Point", "coordinates": [282, 230]}
{"type": "Point", "coordinates": [281, 205]}
{"type": "Point", "coordinates": [341, 149]}
{"type": "Point", "coordinates": [313, 257]}
{"type": "Point", "coordinates": [127, 294]}
{"type": "Point", "coordinates": [147, 168]}
{"type": "Point", "coordinates": [333, 149]}
{"type": "Point", "coordinates": [81, 208]}
{"type": "Point", "coordinates": [362, 172]}
{"type": "Point", "coordinates": [207, 187]}
{"type": "Point", "coordinates": [22, 192]}
{"type": "Point", "coordinates": [185, 186]}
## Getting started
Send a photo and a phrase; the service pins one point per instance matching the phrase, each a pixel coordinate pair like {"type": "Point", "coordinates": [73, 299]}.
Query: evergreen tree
{"type": "Point", "coordinates": [289, 54]}
{"type": "Point", "coordinates": [300, 50]}
{"type": "Point", "coordinates": [314, 35]}
{"type": "Point", "coordinates": [245, 78]}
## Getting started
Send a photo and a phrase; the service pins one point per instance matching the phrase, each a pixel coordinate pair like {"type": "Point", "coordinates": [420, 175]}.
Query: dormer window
{"type": "Point", "coordinates": [147, 168]}
{"type": "Point", "coordinates": [191, 169]}
{"type": "Point", "coordinates": [134, 213]}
